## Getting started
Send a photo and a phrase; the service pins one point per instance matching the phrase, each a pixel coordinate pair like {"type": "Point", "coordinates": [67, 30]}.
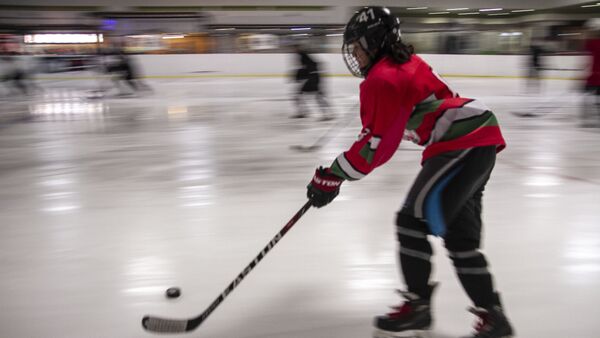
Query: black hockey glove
{"type": "Point", "coordinates": [323, 187]}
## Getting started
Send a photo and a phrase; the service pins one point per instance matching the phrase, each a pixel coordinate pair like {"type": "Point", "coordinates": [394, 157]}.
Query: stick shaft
{"type": "Point", "coordinates": [198, 320]}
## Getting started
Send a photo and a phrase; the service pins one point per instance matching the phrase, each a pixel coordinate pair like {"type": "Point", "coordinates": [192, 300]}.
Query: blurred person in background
{"type": "Point", "coordinates": [14, 73]}
{"type": "Point", "coordinates": [402, 97]}
{"type": "Point", "coordinates": [592, 81]}
{"type": "Point", "coordinates": [123, 69]}
{"type": "Point", "coordinates": [535, 66]}
{"type": "Point", "coordinates": [309, 80]}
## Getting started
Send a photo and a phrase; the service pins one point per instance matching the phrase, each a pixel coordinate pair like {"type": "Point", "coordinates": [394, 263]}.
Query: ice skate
{"type": "Point", "coordinates": [410, 319]}
{"type": "Point", "coordinates": [492, 323]}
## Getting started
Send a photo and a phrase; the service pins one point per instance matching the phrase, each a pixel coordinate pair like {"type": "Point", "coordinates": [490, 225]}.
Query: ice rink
{"type": "Point", "coordinates": [108, 201]}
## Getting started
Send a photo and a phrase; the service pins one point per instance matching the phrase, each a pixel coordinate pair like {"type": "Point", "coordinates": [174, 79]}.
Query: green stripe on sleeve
{"type": "Point", "coordinates": [337, 171]}
{"type": "Point", "coordinates": [367, 153]}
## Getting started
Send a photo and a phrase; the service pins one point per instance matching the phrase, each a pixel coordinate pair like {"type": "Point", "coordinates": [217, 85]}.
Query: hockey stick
{"type": "Point", "coordinates": [164, 325]}
{"type": "Point", "coordinates": [324, 139]}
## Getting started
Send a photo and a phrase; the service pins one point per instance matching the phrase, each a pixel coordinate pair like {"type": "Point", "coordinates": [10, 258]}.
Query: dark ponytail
{"type": "Point", "coordinates": [400, 52]}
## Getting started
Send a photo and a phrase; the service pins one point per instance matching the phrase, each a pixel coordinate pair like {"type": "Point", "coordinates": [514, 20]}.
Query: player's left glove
{"type": "Point", "coordinates": [323, 187]}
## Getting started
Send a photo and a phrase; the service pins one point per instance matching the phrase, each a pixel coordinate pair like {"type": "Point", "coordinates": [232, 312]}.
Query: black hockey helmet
{"type": "Point", "coordinates": [375, 29]}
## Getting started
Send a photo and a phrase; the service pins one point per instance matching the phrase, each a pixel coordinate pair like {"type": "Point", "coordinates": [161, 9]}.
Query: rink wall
{"type": "Point", "coordinates": [277, 65]}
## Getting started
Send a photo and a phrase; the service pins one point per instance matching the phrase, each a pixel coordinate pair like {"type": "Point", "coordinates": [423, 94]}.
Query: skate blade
{"type": "Point", "coordinates": [404, 334]}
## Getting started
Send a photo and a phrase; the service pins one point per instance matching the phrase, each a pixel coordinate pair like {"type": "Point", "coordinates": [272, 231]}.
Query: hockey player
{"type": "Point", "coordinates": [402, 97]}
{"type": "Point", "coordinates": [122, 68]}
{"type": "Point", "coordinates": [14, 73]}
{"type": "Point", "coordinates": [309, 79]}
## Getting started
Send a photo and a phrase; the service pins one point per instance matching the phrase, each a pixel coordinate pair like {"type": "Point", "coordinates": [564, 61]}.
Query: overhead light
{"type": "Point", "coordinates": [436, 13]}
{"type": "Point", "coordinates": [337, 34]}
{"type": "Point", "coordinates": [300, 29]}
{"type": "Point", "coordinates": [490, 9]}
{"type": "Point", "coordinates": [225, 29]}
{"type": "Point", "coordinates": [469, 13]}
{"type": "Point", "coordinates": [498, 14]}
{"type": "Point", "coordinates": [301, 34]}
{"type": "Point", "coordinates": [569, 34]}
{"type": "Point", "coordinates": [63, 38]}
{"type": "Point", "coordinates": [416, 8]}
{"type": "Point", "coordinates": [511, 34]}
{"type": "Point", "coordinates": [174, 36]}
{"type": "Point", "coordinates": [522, 10]}
{"type": "Point", "coordinates": [456, 9]}
{"type": "Point", "coordinates": [596, 5]}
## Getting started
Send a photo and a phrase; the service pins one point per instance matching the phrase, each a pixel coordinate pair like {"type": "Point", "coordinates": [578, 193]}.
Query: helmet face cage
{"type": "Point", "coordinates": [351, 61]}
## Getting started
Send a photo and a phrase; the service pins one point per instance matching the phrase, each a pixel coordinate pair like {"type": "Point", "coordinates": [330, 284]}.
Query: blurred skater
{"type": "Point", "coordinates": [14, 74]}
{"type": "Point", "coordinates": [536, 66]}
{"type": "Point", "coordinates": [123, 69]}
{"type": "Point", "coordinates": [309, 79]}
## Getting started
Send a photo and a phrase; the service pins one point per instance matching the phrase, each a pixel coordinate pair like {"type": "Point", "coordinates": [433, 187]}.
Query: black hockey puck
{"type": "Point", "coordinates": [173, 292]}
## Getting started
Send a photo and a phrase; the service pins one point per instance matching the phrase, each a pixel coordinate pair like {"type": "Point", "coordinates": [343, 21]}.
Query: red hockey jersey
{"type": "Point", "coordinates": [411, 101]}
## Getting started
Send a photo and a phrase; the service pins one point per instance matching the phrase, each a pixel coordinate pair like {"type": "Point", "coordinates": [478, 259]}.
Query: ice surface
{"type": "Point", "coordinates": [106, 201]}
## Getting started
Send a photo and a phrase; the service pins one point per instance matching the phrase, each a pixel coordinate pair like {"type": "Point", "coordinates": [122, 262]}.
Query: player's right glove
{"type": "Point", "coordinates": [323, 187]}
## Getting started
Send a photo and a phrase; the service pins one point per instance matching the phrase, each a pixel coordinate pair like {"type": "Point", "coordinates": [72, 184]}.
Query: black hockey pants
{"type": "Point", "coordinates": [445, 201]}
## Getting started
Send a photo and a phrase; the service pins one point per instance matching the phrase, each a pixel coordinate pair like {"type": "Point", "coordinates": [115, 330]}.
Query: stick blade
{"type": "Point", "coordinates": [305, 149]}
{"type": "Point", "coordinates": [526, 114]}
{"type": "Point", "coordinates": [156, 324]}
